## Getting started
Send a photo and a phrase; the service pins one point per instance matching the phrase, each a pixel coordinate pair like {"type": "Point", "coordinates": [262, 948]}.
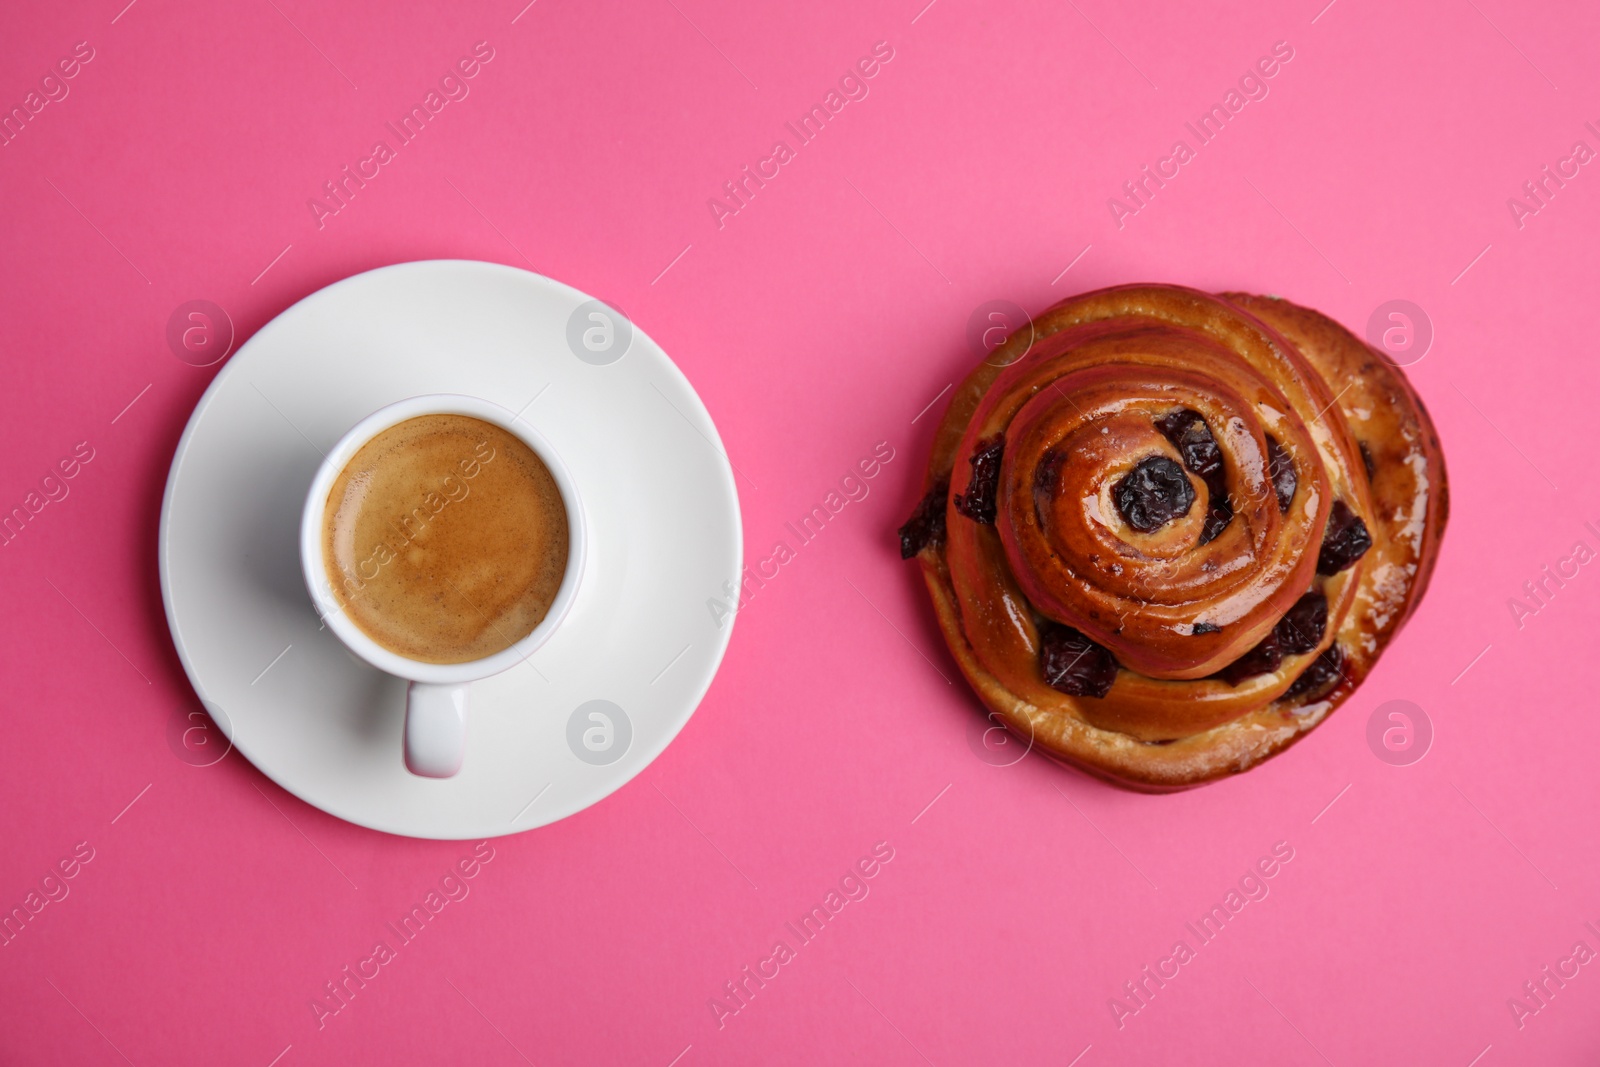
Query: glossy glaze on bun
{"type": "Point", "coordinates": [1166, 532]}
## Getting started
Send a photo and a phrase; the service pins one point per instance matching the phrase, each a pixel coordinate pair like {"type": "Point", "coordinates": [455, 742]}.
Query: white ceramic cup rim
{"type": "Point", "coordinates": [315, 570]}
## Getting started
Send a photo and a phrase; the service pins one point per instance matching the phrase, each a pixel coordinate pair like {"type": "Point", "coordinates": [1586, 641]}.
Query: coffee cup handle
{"type": "Point", "coordinates": [436, 728]}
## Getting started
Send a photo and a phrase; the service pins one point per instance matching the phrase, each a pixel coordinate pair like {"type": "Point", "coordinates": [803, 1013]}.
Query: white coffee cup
{"type": "Point", "coordinates": [436, 699]}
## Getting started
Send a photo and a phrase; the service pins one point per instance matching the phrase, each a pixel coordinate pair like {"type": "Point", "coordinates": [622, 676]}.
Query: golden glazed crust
{"type": "Point", "coordinates": [1073, 400]}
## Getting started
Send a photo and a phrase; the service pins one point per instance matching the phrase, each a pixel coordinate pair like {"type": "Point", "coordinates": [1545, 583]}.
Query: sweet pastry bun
{"type": "Point", "coordinates": [1166, 532]}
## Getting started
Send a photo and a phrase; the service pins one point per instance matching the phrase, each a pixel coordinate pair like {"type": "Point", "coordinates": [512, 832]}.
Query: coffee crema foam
{"type": "Point", "coordinates": [445, 539]}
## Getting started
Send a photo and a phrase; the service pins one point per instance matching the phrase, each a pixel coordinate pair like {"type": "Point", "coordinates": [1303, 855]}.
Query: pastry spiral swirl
{"type": "Point", "coordinates": [1167, 532]}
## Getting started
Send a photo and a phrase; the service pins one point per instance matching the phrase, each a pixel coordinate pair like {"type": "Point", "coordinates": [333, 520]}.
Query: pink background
{"type": "Point", "coordinates": [819, 320]}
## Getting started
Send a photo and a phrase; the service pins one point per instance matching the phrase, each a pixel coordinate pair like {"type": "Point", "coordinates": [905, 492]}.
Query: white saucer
{"type": "Point", "coordinates": [664, 538]}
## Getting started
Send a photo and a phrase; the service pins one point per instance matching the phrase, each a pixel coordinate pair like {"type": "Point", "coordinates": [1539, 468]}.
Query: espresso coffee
{"type": "Point", "coordinates": [445, 539]}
